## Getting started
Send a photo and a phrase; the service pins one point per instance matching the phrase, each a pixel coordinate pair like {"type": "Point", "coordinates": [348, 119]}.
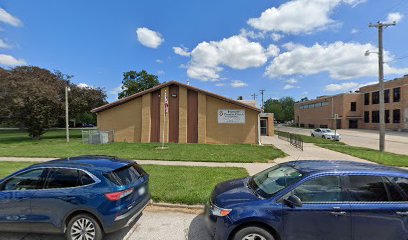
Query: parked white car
{"type": "Point", "coordinates": [325, 133]}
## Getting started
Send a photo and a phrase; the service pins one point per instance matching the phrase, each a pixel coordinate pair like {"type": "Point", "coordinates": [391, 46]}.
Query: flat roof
{"type": "Point", "coordinates": [134, 96]}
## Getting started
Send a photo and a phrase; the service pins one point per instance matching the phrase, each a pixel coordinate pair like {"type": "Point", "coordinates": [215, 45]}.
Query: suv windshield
{"type": "Point", "coordinates": [270, 181]}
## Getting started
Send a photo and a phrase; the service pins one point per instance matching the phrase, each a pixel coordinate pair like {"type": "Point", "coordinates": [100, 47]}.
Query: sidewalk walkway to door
{"type": "Point", "coordinates": [310, 152]}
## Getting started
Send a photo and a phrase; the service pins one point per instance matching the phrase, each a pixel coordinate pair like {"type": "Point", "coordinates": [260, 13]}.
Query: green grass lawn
{"type": "Point", "coordinates": [372, 155]}
{"type": "Point", "coordinates": [52, 144]}
{"type": "Point", "coordinates": [170, 184]}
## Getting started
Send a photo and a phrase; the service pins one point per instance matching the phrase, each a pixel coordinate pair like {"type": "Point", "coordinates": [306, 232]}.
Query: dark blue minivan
{"type": "Point", "coordinates": [312, 200]}
{"type": "Point", "coordinates": [83, 197]}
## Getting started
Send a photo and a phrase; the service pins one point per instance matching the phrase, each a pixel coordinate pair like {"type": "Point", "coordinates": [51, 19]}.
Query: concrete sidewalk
{"type": "Point", "coordinates": [310, 152]}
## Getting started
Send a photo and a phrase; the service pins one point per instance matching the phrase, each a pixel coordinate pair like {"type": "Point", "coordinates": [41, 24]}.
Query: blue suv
{"type": "Point", "coordinates": [313, 200]}
{"type": "Point", "coordinates": [83, 197]}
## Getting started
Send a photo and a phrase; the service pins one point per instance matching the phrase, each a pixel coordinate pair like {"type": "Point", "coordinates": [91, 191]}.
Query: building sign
{"type": "Point", "coordinates": [231, 116]}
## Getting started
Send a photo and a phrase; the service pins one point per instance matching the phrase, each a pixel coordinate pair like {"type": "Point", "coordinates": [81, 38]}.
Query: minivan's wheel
{"type": "Point", "coordinates": [83, 227]}
{"type": "Point", "coordinates": [324, 137]}
{"type": "Point", "coordinates": [312, 135]}
{"type": "Point", "coordinates": [253, 233]}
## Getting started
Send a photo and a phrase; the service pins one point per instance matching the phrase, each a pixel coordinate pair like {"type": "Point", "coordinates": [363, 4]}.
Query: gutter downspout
{"type": "Point", "coordinates": [259, 129]}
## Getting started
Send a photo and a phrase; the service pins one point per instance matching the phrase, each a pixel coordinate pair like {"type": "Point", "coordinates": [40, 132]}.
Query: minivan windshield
{"type": "Point", "coordinates": [270, 181]}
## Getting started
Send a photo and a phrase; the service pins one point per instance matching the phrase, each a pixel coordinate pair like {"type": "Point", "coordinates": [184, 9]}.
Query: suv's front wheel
{"type": "Point", "coordinates": [83, 227]}
{"type": "Point", "coordinates": [253, 233]}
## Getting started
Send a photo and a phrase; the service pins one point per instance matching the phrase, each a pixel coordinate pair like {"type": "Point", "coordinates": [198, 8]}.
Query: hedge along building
{"type": "Point", "coordinates": [194, 116]}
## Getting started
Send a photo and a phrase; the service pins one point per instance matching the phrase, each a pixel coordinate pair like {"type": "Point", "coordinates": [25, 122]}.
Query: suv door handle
{"type": "Point", "coordinates": [340, 213]}
{"type": "Point", "coordinates": [402, 213]}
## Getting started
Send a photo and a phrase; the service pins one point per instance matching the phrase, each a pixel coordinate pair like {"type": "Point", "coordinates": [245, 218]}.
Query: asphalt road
{"type": "Point", "coordinates": [395, 142]}
{"type": "Point", "coordinates": [152, 225]}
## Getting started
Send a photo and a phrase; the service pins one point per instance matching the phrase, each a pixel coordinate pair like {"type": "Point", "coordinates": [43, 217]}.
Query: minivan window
{"type": "Point", "coordinates": [367, 189]}
{"type": "Point", "coordinates": [321, 189]}
{"type": "Point", "coordinates": [25, 181]}
{"type": "Point", "coordinates": [270, 181]}
{"type": "Point", "coordinates": [125, 175]}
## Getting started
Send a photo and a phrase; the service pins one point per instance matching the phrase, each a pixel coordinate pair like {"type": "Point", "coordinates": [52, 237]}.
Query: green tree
{"type": "Point", "coordinates": [33, 98]}
{"type": "Point", "coordinates": [240, 98]}
{"type": "Point", "coordinates": [134, 82]}
{"type": "Point", "coordinates": [82, 100]}
{"type": "Point", "coordinates": [282, 108]}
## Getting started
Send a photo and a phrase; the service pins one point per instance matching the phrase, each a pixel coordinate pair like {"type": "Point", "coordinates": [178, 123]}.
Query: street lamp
{"type": "Point", "coordinates": [67, 89]}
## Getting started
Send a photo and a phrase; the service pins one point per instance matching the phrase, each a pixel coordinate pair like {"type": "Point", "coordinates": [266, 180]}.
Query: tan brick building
{"type": "Point", "coordinates": [359, 109]}
{"type": "Point", "coordinates": [194, 116]}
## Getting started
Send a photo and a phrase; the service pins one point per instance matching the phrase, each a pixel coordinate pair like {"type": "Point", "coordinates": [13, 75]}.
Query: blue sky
{"type": "Point", "coordinates": [232, 47]}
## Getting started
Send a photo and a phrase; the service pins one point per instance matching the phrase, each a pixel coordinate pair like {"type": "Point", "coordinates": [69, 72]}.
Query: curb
{"type": "Point", "coordinates": [175, 206]}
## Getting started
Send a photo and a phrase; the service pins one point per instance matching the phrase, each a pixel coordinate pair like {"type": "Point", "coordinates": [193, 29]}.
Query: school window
{"type": "Point", "coordinates": [353, 106]}
{"type": "Point", "coordinates": [366, 116]}
{"type": "Point", "coordinates": [396, 116]}
{"type": "Point", "coordinates": [375, 116]}
{"type": "Point", "coordinates": [366, 99]}
{"type": "Point", "coordinates": [396, 94]}
{"type": "Point", "coordinates": [375, 97]}
{"type": "Point", "coordinates": [387, 116]}
{"type": "Point", "coordinates": [386, 95]}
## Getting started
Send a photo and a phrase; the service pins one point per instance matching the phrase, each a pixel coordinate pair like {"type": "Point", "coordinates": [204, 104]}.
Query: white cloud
{"type": "Point", "coordinates": [290, 45]}
{"type": "Point", "coordinates": [116, 90]}
{"type": "Point", "coordinates": [342, 87]}
{"type": "Point", "coordinates": [159, 61]}
{"type": "Point", "coordinates": [236, 52]}
{"type": "Point", "coordinates": [288, 86]}
{"type": "Point", "coordinates": [299, 16]}
{"type": "Point", "coordinates": [161, 73]}
{"type": "Point", "coordinates": [149, 38]}
{"type": "Point", "coordinates": [272, 51]}
{"type": "Point", "coordinates": [84, 85]}
{"type": "Point", "coordinates": [220, 84]}
{"type": "Point", "coordinates": [291, 81]}
{"type": "Point", "coordinates": [394, 17]}
{"type": "Point", "coordinates": [276, 36]}
{"type": "Point", "coordinates": [182, 51]}
{"type": "Point", "coordinates": [251, 34]}
{"type": "Point", "coordinates": [341, 60]}
{"type": "Point", "coordinates": [3, 44]}
{"type": "Point", "coordinates": [6, 17]}
{"type": "Point", "coordinates": [238, 84]}
{"type": "Point", "coordinates": [354, 31]}
{"type": "Point", "coordinates": [9, 60]}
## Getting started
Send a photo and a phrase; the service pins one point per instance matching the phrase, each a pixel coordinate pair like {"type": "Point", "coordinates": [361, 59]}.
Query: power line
{"type": "Point", "coordinates": [254, 96]}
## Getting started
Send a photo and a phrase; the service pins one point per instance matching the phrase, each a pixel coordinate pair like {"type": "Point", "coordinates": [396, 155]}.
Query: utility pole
{"type": "Point", "coordinates": [67, 89]}
{"type": "Point", "coordinates": [380, 26]}
{"type": "Point", "coordinates": [254, 96]}
{"type": "Point", "coordinates": [262, 94]}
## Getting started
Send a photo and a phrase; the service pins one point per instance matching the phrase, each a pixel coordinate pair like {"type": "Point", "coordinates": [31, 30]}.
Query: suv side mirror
{"type": "Point", "coordinates": [293, 201]}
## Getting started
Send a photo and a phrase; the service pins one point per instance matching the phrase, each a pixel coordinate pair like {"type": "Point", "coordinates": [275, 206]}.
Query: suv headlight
{"type": "Point", "coordinates": [219, 212]}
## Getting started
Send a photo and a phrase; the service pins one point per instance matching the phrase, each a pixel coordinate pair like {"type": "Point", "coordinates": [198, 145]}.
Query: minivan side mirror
{"type": "Point", "coordinates": [293, 201]}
